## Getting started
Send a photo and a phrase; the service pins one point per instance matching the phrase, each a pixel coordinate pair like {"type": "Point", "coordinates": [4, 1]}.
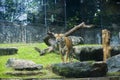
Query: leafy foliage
{"type": "Point", "coordinates": [89, 11]}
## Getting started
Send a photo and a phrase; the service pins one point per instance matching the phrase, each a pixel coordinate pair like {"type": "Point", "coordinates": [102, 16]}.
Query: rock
{"type": "Point", "coordinates": [114, 64]}
{"type": "Point", "coordinates": [8, 51]}
{"type": "Point", "coordinates": [24, 73]}
{"type": "Point", "coordinates": [80, 69]}
{"type": "Point", "coordinates": [21, 64]}
{"type": "Point", "coordinates": [86, 53]}
{"type": "Point", "coordinates": [76, 40]}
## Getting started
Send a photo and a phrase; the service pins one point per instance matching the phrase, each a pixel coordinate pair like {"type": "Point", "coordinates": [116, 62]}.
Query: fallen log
{"type": "Point", "coordinates": [50, 39]}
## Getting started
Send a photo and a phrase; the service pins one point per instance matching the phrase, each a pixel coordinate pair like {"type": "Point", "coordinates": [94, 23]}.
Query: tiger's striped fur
{"type": "Point", "coordinates": [65, 47]}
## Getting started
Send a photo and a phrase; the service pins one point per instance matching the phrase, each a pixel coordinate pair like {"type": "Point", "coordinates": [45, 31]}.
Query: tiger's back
{"type": "Point", "coordinates": [68, 42]}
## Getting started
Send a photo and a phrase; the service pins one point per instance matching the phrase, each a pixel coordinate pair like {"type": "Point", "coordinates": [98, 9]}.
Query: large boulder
{"type": "Point", "coordinates": [80, 69]}
{"type": "Point", "coordinates": [114, 64]}
{"type": "Point", "coordinates": [86, 53]}
{"type": "Point", "coordinates": [8, 51]}
{"type": "Point", "coordinates": [21, 64]}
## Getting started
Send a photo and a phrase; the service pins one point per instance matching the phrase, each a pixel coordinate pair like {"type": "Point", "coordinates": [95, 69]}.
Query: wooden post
{"type": "Point", "coordinates": [106, 44]}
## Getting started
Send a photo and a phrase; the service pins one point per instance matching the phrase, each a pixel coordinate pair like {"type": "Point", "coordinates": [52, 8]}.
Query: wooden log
{"type": "Point", "coordinates": [82, 25]}
{"type": "Point", "coordinates": [106, 44]}
{"type": "Point", "coordinates": [50, 38]}
{"type": "Point", "coordinates": [75, 28]}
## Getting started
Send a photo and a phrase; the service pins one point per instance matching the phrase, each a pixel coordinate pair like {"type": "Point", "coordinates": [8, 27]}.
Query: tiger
{"type": "Point", "coordinates": [65, 47]}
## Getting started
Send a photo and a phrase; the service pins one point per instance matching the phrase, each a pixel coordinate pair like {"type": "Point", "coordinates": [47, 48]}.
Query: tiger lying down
{"type": "Point", "coordinates": [64, 46]}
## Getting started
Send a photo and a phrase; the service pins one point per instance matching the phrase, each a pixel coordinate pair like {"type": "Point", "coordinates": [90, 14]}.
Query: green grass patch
{"type": "Point", "coordinates": [113, 74]}
{"type": "Point", "coordinates": [26, 51]}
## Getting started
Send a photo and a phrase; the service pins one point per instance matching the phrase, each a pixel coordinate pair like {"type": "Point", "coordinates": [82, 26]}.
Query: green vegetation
{"type": "Point", "coordinates": [26, 51]}
{"type": "Point", "coordinates": [113, 74]}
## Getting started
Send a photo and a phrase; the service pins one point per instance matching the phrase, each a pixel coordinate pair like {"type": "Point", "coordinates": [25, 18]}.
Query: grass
{"type": "Point", "coordinates": [26, 51]}
{"type": "Point", "coordinates": [113, 74]}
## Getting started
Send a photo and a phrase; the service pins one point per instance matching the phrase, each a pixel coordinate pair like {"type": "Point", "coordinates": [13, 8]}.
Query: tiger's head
{"type": "Point", "coordinates": [59, 38]}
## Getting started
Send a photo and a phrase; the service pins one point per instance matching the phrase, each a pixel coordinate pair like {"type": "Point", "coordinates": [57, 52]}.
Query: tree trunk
{"type": "Point", "coordinates": [51, 34]}
{"type": "Point", "coordinates": [50, 39]}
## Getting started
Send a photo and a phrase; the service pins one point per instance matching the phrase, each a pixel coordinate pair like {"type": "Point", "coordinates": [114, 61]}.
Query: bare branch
{"type": "Point", "coordinates": [82, 25]}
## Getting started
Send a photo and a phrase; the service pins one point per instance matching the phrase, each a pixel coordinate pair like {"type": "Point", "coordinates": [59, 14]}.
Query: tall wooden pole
{"type": "Point", "coordinates": [106, 44]}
